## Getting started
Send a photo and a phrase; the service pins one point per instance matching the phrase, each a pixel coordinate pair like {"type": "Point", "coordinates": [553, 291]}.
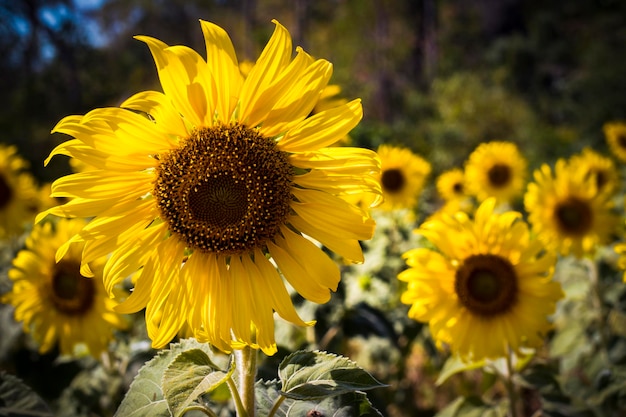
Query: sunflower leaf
{"type": "Point", "coordinates": [315, 375]}
{"type": "Point", "coordinates": [350, 404]}
{"type": "Point", "coordinates": [145, 395]}
{"type": "Point", "coordinates": [454, 365]}
{"type": "Point", "coordinates": [191, 374]}
{"type": "Point", "coordinates": [17, 399]}
{"type": "Point", "coordinates": [267, 394]}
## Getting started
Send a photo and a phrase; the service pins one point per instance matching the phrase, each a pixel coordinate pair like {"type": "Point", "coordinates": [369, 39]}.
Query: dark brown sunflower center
{"type": "Point", "coordinates": [574, 217]}
{"type": "Point", "coordinates": [71, 293]}
{"type": "Point", "coordinates": [601, 178]}
{"type": "Point", "coordinates": [486, 284]}
{"type": "Point", "coordinates": [457, 188]}
{"type": "Point", "coordinates": [499, 175]}
{"type": "Point", "coordinates": [621, 140]}
{"type": "Point", "coordinates": [6, 192]}
{"type": "Point", "coordinates": [392, 180]}
{"type": "Point", "coordinates": [227, 189]}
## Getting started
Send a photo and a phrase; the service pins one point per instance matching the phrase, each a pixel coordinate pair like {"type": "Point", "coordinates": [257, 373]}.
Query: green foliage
{"type": "Point", "coordinates": [146, 395]}
{"type": "Point", "coordinates": [315, 375]}
{"type": "Point", "coordinates": [17, 400]}
{"type": "Point", "coordinates": [189, 376]}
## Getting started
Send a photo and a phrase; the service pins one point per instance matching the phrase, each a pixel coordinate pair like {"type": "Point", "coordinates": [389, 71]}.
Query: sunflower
{"type": "Point", "coordinates": [18, 193]}
{"type": "Point", "coordinates": [495, 169]}
{"type": "Point", "coordinates": [402, 177]}
{"type": "Point", "coordinates": [598, 166]}
{"type": "Point", "coordinates": [486, 288]}
{"type": "Point", "coordinates": [205, 192]}
{"type": "Point", "coordinates": [451, 184]}
{"type": "Point", "coordinates": [615, 134]}
{"type": "Point", "coordinates": [567, 211]}
{"type": "Point", "coordinates": [53, 300]}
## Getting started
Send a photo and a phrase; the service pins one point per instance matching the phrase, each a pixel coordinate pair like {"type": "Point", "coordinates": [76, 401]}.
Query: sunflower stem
{"type": "Point", "coordinates": [598, 304]}
{"type": "Point", "coordinates": [245, 365]}
{"type": "Point", "coordinates": [510, 385]}
{"type": "Point", "coordinates": [239, 407]}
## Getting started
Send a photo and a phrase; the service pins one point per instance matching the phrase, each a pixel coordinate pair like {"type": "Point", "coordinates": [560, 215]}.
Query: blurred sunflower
{"type": "Point", "coordinates": [402, 177]}
{"type": "Point", "coordinates": [566, 210]}
{"type": "Point", "coordinates": [496, 169]}
{"type": "Point", "coordinates": [204, 191]}
{"type": "Point", "coordinates": [451, 184]}
{"type": "Point", "coordinates": [601, 168]}
{"type": "Point", "coordinates": [615, 134]}
{"type": "Point", "coordinates": [18, 193]}
{"type": "Point", "coordinates": [53, 300]}
{"type": "Point", "coordinates": [487, 288]}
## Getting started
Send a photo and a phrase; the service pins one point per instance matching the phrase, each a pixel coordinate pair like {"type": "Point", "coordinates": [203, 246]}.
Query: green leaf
{"type": "Point", "coordinates": [266, 394]}
{"type": "Point", "coordinates": [18, 400]}
{"type": "Point", "coordinates": [454, 365]}
{"type": "Point", "coordinates": [312, 375]}
{"type": "Point", "coordinates": [145, 395]}
{"type": "Point", "coordinates": [351, 404]}
{"type": "Point", "coordinates": [190, 375]}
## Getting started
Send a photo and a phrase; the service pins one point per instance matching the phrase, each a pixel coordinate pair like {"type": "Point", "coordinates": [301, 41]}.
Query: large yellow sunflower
{"type": "Point", "coordinates": [487, 288]}
{"type": "Point", "coordinates": [567, 211]}
{"type": "Point", "coordinates": [598, 166]}
{"type": "Point", "coordinates": [402, 177]}
{"type": "Point", "coordinates": [18, 193]}
{"type": "Point", "coordinates": [53, 300]}
{"type": "Point", "coordinates": [204, 191]}
{"type": "Point", "coordinates": [615, 134]}
{"type": "Point", "coordinates": [496, 169]}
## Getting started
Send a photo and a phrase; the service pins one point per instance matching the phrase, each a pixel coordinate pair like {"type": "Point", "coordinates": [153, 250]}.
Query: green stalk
{"type": "Point", "coordinates": [245, 367]}
{"type": "Point", "coordinates": [510, 385]}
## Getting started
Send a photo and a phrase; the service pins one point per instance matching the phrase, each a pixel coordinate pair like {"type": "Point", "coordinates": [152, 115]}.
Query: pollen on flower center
{"type": "Point", "coordinates": [486, 284]}
{"type": "Point", "coordinates": [574, 217]}
{"type": "Point", "coordinates": [71, 293]}
{"type": "Point", "coordinates": [6, 193]}
{"type": "Point", "coordinates": [499, 175]}
{"type": "Point", "coordinates": [392, 180]}
{"type": "Point", "coordinates": [227, 189]}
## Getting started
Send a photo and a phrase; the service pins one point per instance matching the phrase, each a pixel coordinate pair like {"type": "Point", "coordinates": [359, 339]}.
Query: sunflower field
{"type": "Point", "coordinates": [338, 208]}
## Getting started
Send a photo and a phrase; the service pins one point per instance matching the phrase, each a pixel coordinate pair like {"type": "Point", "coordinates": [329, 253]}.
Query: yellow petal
{"type": "Point", "coordinates": [347, 248]}
{"type": "Point", "coordinates": [161, 108]}
{"type": "Point", "coordinates": [98, 184]}
{"type": "Point", "coordinates": [298, 96]}
{"type": "Point", "coordinates": [270, 281]}
{"type": "Point", "coordinates": [322, 129]}
{"type": "Point", "coordinates": [272, 61]}
{"type": "Point", "coordinates": [298, 276]}
{"type": "Point", "coordinates": [185, 79]}
{"type": "Point", "coordinates": [222, 62]}
{"type": "Point", "coordinates": [332, 214]}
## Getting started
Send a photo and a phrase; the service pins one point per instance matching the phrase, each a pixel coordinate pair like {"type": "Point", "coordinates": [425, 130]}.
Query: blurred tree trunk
{"type": "Point", "coordinates": [301, 11]}
{"type": "Point", "coordinates": [249, 11]}
{"type": "Point", "coordinates": [382, 75]}
{"type": "Point", "coordinates": [425, 51]}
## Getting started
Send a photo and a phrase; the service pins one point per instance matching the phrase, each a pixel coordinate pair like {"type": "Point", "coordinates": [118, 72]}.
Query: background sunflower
{"type": "Point", "coordinates": [496, 169]}
{"type": "Point", "coordinates": [54, 301]}
{"type": "Point", "coordinates": [485, 288]}
{"type": "Point", "coordinates": [567, 211]}
{"type": "Point", "coordinates": [402, 177]}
